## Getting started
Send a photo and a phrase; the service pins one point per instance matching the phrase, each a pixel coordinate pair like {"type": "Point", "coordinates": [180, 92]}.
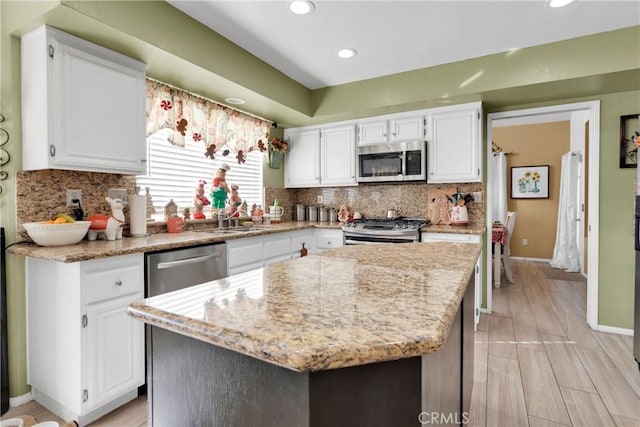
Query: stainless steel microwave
{"type": "Point", "coordinates": [400, 161]}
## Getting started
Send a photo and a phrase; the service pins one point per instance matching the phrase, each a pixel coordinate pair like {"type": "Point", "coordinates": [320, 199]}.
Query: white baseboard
{"type": "Point", "coordinates": [614, 330]}
{"type": "Point", "coordinates": [523, 258]}
{"type": "Point", "coordinates": [20, 400]}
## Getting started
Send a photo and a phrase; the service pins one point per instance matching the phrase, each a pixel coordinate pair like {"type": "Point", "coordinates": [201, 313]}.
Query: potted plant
{"type": "Point", "coordinates": [276, 149]}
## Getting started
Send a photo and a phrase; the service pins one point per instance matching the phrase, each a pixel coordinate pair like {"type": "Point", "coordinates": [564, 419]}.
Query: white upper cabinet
{"type": "Point", "coordinates": [373, 132]}
{"type": "Point", "coordinates": [83, 106]}
{"type": "Point", "coordinates": [394, 128]}
{"type": "Point", "coordinates": [320, 156]}
{"type": "Point", "coordinates": [302, 162]}
{"type": "Point", "coordinates": [454, 142]}
{"type": "Point", "coordinates": [407, 128]}
{"type": "Point", "coordinates": [338, 155]}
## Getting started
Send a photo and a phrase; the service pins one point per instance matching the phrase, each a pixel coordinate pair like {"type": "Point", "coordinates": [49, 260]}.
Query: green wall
{"type": "Point", "coordinates": [605, 67]}
{"type": "Point", "coordinates": [10, 107]}
{"type": "Point", "coordinates": [617, 257]}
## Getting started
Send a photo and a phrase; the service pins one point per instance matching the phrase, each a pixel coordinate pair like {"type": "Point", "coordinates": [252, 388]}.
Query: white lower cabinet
{"type": "Point", "coordinates": [328, 239]}
{"type": "Point", "coordinates": [249, 253]}
{"type": "Point", "coordinates": [245, 254]}
{"type": "Point", "coordinates": [85, 354]}
{"type": "Point", "coordinates": [463, 238]}
{"type": "Point", "coordinates": [300, 238]}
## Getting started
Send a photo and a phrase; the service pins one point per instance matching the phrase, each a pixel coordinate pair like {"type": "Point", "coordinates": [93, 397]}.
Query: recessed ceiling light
{"type": "Point", "coordinates": [301, 7]}
{"type": "Point", "coordinates": [347, 53]}
{"type": "Point", "coordinates": [235, 101]}
{"type": "Point", "coordinates": [560, 3]}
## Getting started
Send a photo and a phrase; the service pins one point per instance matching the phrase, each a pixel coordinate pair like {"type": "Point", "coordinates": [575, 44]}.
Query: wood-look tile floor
{"type": "Point", "coordinates": [537, 363]}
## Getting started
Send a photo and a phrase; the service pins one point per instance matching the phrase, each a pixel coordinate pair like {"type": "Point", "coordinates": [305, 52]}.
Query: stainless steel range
{"type": "Point", "coordinates": [383, 230]}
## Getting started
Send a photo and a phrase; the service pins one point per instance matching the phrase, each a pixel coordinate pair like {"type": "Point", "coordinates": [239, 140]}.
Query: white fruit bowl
{"type": "Point", "coordinates": [57, 234]}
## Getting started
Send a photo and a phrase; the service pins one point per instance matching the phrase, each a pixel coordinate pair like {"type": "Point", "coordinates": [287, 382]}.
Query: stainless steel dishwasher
{"type": "Point", "coordinates": [167, 271]}
{"type": "Point", "coordinates": [175, 269]}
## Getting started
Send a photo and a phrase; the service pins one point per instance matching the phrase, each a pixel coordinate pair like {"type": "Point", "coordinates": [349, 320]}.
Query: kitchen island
{"type": "Point", "coordinates": [361, 335]}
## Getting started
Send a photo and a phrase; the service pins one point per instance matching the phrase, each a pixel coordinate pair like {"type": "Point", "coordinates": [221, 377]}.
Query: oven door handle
{"type": "Point", "coordinates": [361, 242]}
{"type": "Point", "coordinates": [187, 261]}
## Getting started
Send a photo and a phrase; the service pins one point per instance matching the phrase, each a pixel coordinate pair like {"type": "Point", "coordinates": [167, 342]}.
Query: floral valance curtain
{"type": "Point", "coordinates": [222, 130]}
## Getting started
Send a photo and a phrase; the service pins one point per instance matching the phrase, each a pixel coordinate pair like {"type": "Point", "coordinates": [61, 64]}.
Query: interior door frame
{"type": "Point", "coordinates": [592, 108]}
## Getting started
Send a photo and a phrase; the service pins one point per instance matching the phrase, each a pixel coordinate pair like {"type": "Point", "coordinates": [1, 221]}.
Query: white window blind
{"type": "Point", "coordinates": [173, 173]}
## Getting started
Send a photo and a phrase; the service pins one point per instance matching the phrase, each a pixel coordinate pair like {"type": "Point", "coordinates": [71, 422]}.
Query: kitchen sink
{"type": "Point", "coordinates": [233, 230]}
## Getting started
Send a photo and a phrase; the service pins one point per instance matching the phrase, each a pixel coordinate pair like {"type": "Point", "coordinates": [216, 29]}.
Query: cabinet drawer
{"type": "Point", "coordinates": [245, 254]}
{"type": "Point", "coordinates": [277, 248]}
{"type": "Point", "coordinates": [450, 237]}
{"type": "Point", "coordinates": [108, 279]}
{"type": "Point", "coordinates": [328, 239]}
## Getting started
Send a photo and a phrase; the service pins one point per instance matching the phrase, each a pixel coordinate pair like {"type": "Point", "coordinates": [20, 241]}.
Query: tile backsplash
{"type": "Point", "coordinates": [372, 200]}
{"type": "Point", "coordinates": [42, 194]}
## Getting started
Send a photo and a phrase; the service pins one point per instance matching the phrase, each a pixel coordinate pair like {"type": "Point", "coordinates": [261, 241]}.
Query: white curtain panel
{"type": "Point", "coordinates": [566, 254]}
{"type": "Point", "coordinates": [499, 187]}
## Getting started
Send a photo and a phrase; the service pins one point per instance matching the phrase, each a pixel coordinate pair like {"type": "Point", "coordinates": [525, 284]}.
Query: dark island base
{"type": "Point", "coordinates": [192, 383]}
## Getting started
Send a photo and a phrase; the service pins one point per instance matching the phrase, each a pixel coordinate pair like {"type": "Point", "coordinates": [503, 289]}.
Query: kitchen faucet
{"type": "Point", "coordinates": [235, 216]}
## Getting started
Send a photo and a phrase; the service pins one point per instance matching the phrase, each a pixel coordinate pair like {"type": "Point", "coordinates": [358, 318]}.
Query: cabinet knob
{"type": "Point", "coordinates": [118, 283]}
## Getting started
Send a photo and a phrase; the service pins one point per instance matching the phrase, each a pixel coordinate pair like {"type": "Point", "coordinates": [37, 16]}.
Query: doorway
{"type": "Point", "coordinates": [586, 141]}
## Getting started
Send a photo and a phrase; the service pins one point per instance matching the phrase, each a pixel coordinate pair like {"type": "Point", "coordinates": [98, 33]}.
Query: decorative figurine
{"type": "Point", "coordinates": [170, 209]}
{"type": "Point", "coordinates": [343, 214]}
{"type": "Point", "coordinates": [219, 188]}
{"type": "Point", "coordinates": [234, 201]}
{"type": "Point", "coordinates": [150, 209]}
{"type": "Point", "coordinates": [108, 226]}
{"type": "Point", "coordinates": [440, 210]}
{"type": "Point", "coordinates": [186, 213]}
{"type": "Point", "coordinates": [200, 201]}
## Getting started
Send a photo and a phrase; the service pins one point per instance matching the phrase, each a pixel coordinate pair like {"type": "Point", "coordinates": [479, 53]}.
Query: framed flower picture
{"type": "Point", "coordinates": [629, 140]}
{"type": "Point", "coordinates": [530, 182]}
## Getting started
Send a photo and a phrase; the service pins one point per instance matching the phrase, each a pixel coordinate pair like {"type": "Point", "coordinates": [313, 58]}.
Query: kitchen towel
{"type": "Point", "coordinates": [138, 215]}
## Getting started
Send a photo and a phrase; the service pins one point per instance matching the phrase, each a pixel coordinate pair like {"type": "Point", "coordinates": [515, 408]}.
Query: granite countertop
{"type": "Point", "coordinates": [345, 307]}
{"type": "Point", "coordinates": [87, 250]}
{"type": "Point", "coordinates": [456, 229]}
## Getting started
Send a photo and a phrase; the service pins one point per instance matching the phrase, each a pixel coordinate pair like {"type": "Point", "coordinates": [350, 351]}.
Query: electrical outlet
{"type": "Point", "coordinates": [477, 196]}
{"type": "Point", "coordinates": [117, 193]}
{"type": "Point", "coordinates": [320, 200]}
{"type": "Point", "coordinates": [525, 242]}
{"type": "Point", "coordinates": [74, 194]}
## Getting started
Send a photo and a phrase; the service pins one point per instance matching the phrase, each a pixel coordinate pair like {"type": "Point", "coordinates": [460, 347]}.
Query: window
{"type": "Point", "coordinates": [173, 173]}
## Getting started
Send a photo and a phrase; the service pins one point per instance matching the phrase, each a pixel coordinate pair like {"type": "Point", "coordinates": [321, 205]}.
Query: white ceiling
{"type": "Point", "coordinates": [396, 36]}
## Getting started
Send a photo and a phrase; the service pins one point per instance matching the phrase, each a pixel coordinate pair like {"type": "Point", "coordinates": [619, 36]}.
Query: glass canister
{"type": "Point", "coordinates": [312, 213]}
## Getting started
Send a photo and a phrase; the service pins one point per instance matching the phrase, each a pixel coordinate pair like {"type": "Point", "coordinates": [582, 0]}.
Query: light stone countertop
{"type": "Point", "coordinates": [345, 307]}
{"type": "Point", "coordinates": [87, 250]}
